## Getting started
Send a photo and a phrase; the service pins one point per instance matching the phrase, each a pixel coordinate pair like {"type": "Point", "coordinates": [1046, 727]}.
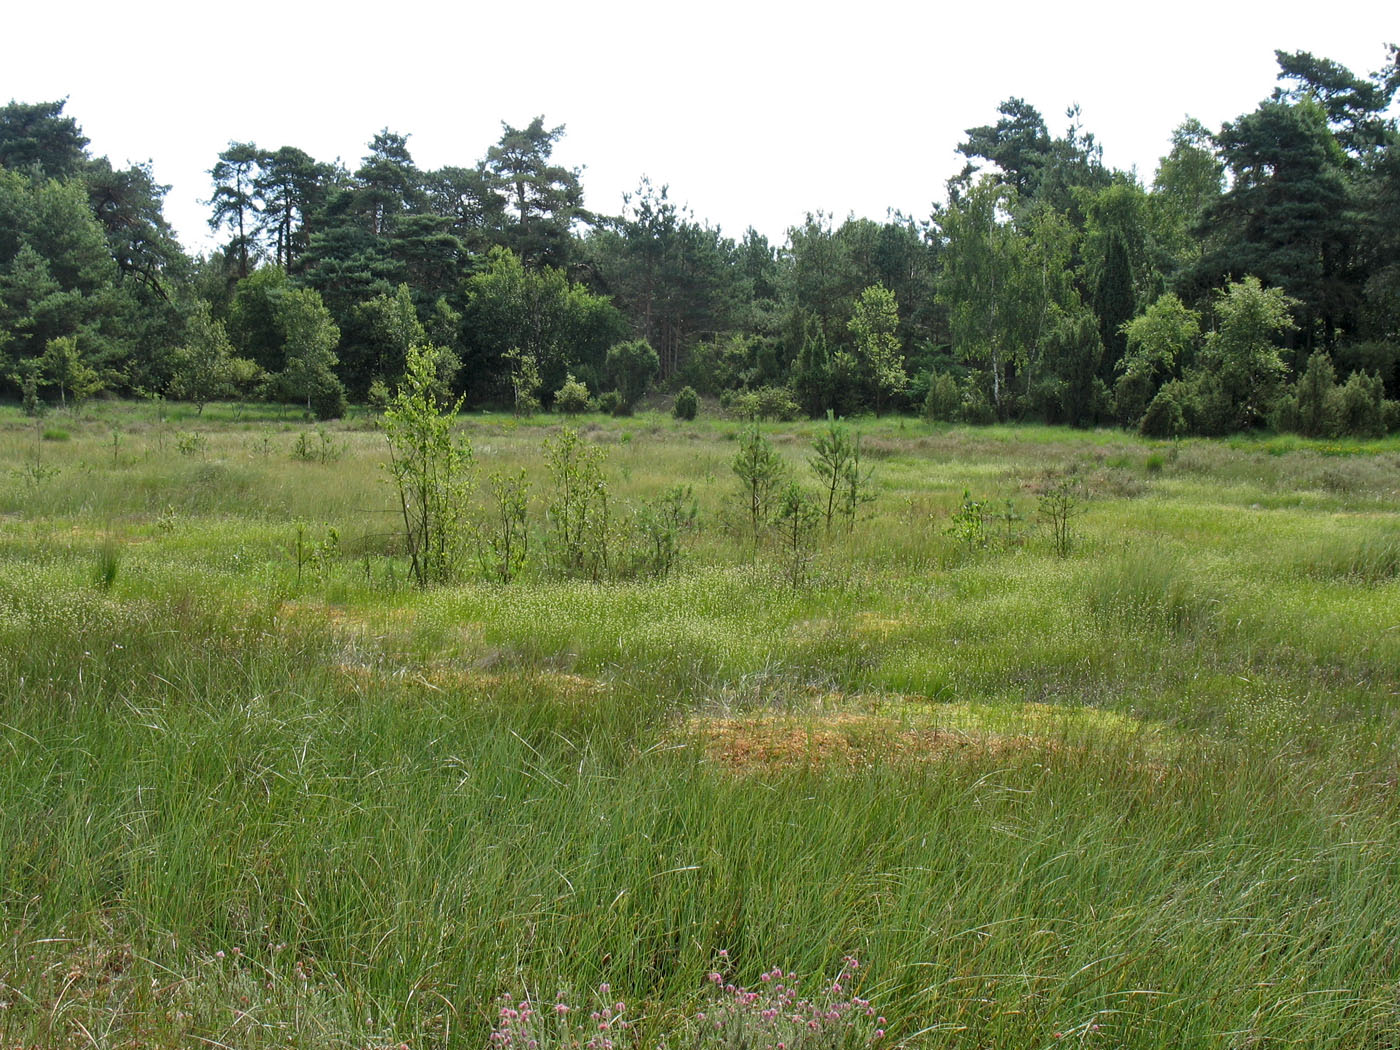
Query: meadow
{"type": "Point", "coordinates": [1138, 788]}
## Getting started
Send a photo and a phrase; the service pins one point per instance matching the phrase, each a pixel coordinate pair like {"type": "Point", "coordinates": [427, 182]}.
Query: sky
{"type": "Point", "coordinates": [754, 113]}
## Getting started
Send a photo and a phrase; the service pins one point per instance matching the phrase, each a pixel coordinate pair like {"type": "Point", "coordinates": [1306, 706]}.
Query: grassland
{"type": "Point", "coordinates": [1145, 795]}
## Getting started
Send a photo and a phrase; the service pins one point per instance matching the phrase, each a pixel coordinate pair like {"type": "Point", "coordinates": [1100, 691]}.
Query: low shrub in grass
{"type": "Point", "coordinates": [687, 404]}
{"type": "Point", "coordinates": [572, 397]}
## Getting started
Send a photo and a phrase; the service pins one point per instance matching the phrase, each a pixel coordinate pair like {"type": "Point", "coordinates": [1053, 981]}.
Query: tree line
{"type": "Point", "coordinates": [1254, 281]}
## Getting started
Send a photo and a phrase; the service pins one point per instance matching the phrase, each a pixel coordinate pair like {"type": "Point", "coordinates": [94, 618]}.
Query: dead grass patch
{"type": "Point", "coordinates": [844, 741]}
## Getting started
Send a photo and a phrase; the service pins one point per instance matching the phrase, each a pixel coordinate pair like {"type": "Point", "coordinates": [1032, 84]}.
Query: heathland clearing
{"type": "Point", "coordinates": [258, 789]}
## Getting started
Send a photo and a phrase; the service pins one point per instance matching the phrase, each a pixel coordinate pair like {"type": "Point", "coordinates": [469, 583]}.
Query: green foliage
{"type": "Point", "coordinates": [632, 366]}
{"type": "Point", "coordinates": [1163, 335]}
{"type": "Point", "coordinates": [812, 371]}
{"type": "Point", "coordinates": [205, 367]}
{"type": "Point", "coordinates": [1073, 353]}
{"type": "Point", "coordinates": [578, 511]}
{"type": "Point", "coordinates": [855, 489]}
{"type": "Point", "coordinates": [323, 448]}
{"type": "Point", "coordinates": [386, 326]}
{"type": "Point", "coordinates": [28, 378]}
{"type": "Point", "coordinates": [312, 551]}
{"type": "Point", "coordinates": [540, 312]}
{"type": "Point", "coordinates": [1360, 405]}
{"type": "Point", "coordinates": [524, 381]}
{"type": "Point", "coordinates": [1057, 505]}
{"type": "Point", "coordinates": [431, 468]}
{"type": "Point", "coordinates": [659, 528]}
{"type": "Point", "coordinates": [1241, 353]}
{"type": "Point", "coordinates": [38, 137]}
{"type": "Point", "coordinates": [192, 443]}
{"type": "Point", "coordinates": [504, 536]}
{"type": "Point", "coordinates": [1165, 417]}
{"type": "Point", "coordinates": [67, 368]}
{"type": "Point", "coordinates": [1288, 217]}
{"type": "Point", "coordinates": [546, 198]}
{"type": "Point", "coordinates": [760, 470]}
{"type": "Point", "coordinates": [572, 397]}
{"type": "Point", "coordinates": [832, 461]}
{"type": "Point", "coordinates": [1313, 407]}
{"type": "Point", "coordinates": [943, 404]}
{"type": "Point", "coordinates": [968, 524]}
{"type": "Point", "coordinates": [1006, 280]}
{"type": "Point", "coordinates": [687, 404]}
{"type": "Point", "coordinates": [874, 326]}
{"type": "Point", "coordinates": [234, 202]}
{"type": "Point", "coordinates": [256, 319]}
{"type": "Point", "coordinates": [1187, 185]}
{"type": "Point", "coordinates": [610, 403]}
{"type": "Point", "coordinates": [377, 397]}
{"type": "Point", "coordinates": [311, 337]}
{"type": "Point", "coordinates": [765, 403]}
{"type": "Point", "coordinates": [795, 518]}
{"type": "Point", "coordinates": [328, 399]}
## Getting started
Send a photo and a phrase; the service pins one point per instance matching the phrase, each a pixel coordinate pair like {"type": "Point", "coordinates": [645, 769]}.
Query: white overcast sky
{"type": "Point", "coordinates": [753, 112]}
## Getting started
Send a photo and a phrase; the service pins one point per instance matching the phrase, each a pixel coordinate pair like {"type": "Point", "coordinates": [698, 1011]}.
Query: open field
{"type": "Point", "coordinates": [1145, 794]}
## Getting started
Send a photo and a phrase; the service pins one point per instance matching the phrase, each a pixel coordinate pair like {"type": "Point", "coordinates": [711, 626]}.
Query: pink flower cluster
{"type": "Point", "coordinates": [774, 1015]}
{"type": "Point", "coordinates": [778, 1016]}
{"type": "Point", "coordinates": [520, 1026]}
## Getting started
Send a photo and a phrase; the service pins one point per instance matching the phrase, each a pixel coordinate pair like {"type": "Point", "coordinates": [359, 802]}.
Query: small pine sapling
{"type": "Point", "coordinates": [796, 517]}
{"type": "Point", "coordinates": [832, 452]}
{"type": "Point", "coordinates": [760, 470]}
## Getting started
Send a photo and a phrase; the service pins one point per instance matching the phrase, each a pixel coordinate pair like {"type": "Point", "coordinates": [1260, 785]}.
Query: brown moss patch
{"type": "Point", "coordinates": [842, 741]}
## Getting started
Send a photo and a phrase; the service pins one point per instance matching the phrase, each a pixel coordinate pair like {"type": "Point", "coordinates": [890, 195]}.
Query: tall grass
{"type": "Point", "coordinates": [1142, 796]}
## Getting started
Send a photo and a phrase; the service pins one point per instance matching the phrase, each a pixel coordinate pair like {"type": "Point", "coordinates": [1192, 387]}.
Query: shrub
{"type": "Point", "coordinates": [1164, 417]}
{"type": "Point", "coordinates": [832, 451]}
{"type": "Point", "coordinates": [759, 469]}
{"type": "Point", "coordinates": [328, 399]}
{"type": "Point", "coordinates": [687, 404]}
{"type": "Point", "coordinates": [1131, 395]}
{"type": "Point", "coordinates": [504, 537]}
{"type": "Point", "coordinates": [1390, 416]}
{"type": "Point", "coordinates": [524, 380]}
{"type": "Point", "coordinates": [659, 527]}
{"type": "Point", "coordinates": [579, 510]}
{"type": "Point", "coordinates": [1058, 503]}
{"type": "Point", "coordinates": [1312, 409]}
{"type": "Point", "coordinates": [611, 402]}
{"type": "Point", "coordinates": [976, 407]}
{"type": "Point", "coordinates": [1360, 405]}
{"type": "Point", "coordinates": [796, 518]}
{"type": "Point", "coordinates": [944, 399]}
{"type": "Point", "coordinates": [378, 396]}
{"type": "Point", "coordinates": [431, 469]}
{"type": "Point", "coordinates": [572, 397]}
{"type": "Point", "coordinates": [632, 366]}
{"type": "Point", "coordinates": [765, 403]}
